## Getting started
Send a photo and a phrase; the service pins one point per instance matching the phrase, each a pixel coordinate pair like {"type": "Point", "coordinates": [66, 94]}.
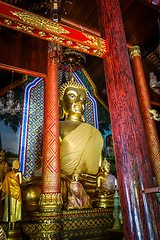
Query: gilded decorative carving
{"type": "Point", "coordinates": [69, 43]}
{"type": "Point", "coordinates": [87, 223]}
{"type": "Point", "coordinates": [25, 28]}
{"type": "Point", "coordinates": [40, 228]}
{"type": "Point", "coordinates": [50, 200]}
{"type": "Point", "coordinates": [74, 223]}
{"type": "Point", "coordinates": [19, 19]}
{"type": "Point", "coordinates": [8, 22]}
{"type": "Point", "coordinates": [93, 40]}
{"type": "Point", "coordinates": [134, 52]}
{"type": "Point", "coordinates": [102, 48]}
{"type": "Point", "coordinates": [82, 48]}
{"type": "Point", "coordinates": [57, 39]}
{"type": "Point", "coordinates": [42, 34]}
{"type": "Point", "coordinates": [40, 22]}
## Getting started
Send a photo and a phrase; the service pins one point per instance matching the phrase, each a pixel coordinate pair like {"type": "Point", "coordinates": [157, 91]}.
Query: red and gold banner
{"type": "Point", "coordinates": [37, 26]}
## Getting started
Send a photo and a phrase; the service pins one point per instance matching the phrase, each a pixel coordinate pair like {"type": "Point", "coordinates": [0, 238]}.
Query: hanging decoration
{"type": "Point", "coordinates": [10, 106]}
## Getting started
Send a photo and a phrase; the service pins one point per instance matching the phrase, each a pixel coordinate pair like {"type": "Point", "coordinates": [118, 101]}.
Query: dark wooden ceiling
{"type": "Point", "coordinates": [140, 25]}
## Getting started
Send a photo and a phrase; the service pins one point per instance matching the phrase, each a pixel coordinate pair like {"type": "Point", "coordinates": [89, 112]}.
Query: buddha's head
{"type": "Point", "coordinates": [16, 164]}
{"type": "Point", "coordinates": [72, 100]}
{"type": "Point", "coordinates": [105, 165]}
{"type": "Point", "coordinates": [2, 155]}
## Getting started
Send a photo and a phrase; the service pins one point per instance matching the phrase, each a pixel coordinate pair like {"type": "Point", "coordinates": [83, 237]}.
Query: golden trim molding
{"type": "Point", "coordinates": [50, 201]}
{"type": "Point", "coordinates": [134, 52]}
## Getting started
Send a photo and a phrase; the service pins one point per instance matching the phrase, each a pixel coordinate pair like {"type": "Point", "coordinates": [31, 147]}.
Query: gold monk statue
{"type": "Point", "coordinates": [4, 168]}
{"type": "Point", "coordinates": [11, 192]}
{"type": "Point", "coordinates": [77, 196]}
{"type": "Point", "coordinates": [80, 143]}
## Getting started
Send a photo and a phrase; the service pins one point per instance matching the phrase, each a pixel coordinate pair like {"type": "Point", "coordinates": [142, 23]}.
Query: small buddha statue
{"type": "Point", "coordinates": [105, 184]}
{"type": "Point", "coordinates": [100, 187]}
{"type": "Point", "coordinates": [102, 175]}
{"type": "Point", "coordinates": [11, 192]}
{"type": "Point", "coordinates": [4, 168]}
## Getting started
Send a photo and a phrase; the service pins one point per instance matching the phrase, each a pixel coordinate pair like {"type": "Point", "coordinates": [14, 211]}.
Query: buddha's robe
{"type": "Point", "coordinates": [81, 150]}
{"type": "Point", "coordinates": [12, 193]}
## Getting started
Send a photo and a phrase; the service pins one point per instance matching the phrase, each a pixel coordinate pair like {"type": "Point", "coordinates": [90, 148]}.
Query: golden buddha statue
{"type": "Point", "coordinates": [11, 192]}
{"type": "Point", "coordinates": [80, 143]}
{"type": "Point", "coordinates": [100, 187]}
{"type": "Point", "coordinates": [4, 168]}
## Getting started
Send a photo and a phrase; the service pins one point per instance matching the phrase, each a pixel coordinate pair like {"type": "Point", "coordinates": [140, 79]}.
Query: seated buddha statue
{"type": "Point", "coordinates": [80, 143]}
{"type": "Point", "coordinates": [100, 187]}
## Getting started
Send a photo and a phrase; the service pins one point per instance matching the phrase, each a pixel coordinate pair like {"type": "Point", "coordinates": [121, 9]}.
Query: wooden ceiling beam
{"type": "Point", "coordinates": [46, 29]}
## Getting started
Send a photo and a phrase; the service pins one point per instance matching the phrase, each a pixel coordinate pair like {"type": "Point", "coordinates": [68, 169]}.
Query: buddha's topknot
{"type": "Point", "coordinates": [70, 83]}
{"type": "Point", "coordinates": [67, 84]}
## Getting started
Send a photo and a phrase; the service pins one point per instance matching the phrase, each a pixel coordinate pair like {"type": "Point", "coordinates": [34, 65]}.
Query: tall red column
{"type": "Point", "coordinates": [140, 212]}
{"type": "Point", "coordinates": [51, 196]}
{"type": "Point", "coordinates": [144, 102]}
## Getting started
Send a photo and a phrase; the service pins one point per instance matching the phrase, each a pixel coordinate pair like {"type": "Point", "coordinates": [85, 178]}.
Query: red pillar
{"type": "Point", "coordinates": [144, 102]}
{"type": "Point", "coordinates": [140, 212]}
{"type": "Point", "coordinates": [51, 196]}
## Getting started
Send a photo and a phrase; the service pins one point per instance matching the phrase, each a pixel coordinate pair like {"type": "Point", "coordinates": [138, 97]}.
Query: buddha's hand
{"type": "Point", "coordinates": [84, 174]}
{"type": "Point", "coordinates": [101, 189]}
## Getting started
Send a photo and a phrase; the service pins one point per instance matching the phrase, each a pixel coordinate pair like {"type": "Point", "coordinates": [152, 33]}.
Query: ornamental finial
{"type": "Point", "coordinates": [134, 52]}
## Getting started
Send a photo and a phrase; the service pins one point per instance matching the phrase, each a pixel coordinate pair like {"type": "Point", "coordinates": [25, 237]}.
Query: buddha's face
{"type": "Point", "coordinates": [106, 168]}
{"type": "Point", "coordinates": [1, 157]}
{"type": "Point", "coordinates": [74, 101]}
{"type": "Point", "coordinates": [16, 164]}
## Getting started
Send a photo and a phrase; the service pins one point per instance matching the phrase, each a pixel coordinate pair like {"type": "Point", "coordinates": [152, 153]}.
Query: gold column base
{"type": "Point", "coordinates": [14, 234]}
{"type": "Point", "coordinates": [50, 201]}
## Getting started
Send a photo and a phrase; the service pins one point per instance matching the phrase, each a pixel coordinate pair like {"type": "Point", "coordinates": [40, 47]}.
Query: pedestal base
{"type": "Point", "coordinates": [15, 234]}
{"type": "Point", "coordinates": [69, 224]}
